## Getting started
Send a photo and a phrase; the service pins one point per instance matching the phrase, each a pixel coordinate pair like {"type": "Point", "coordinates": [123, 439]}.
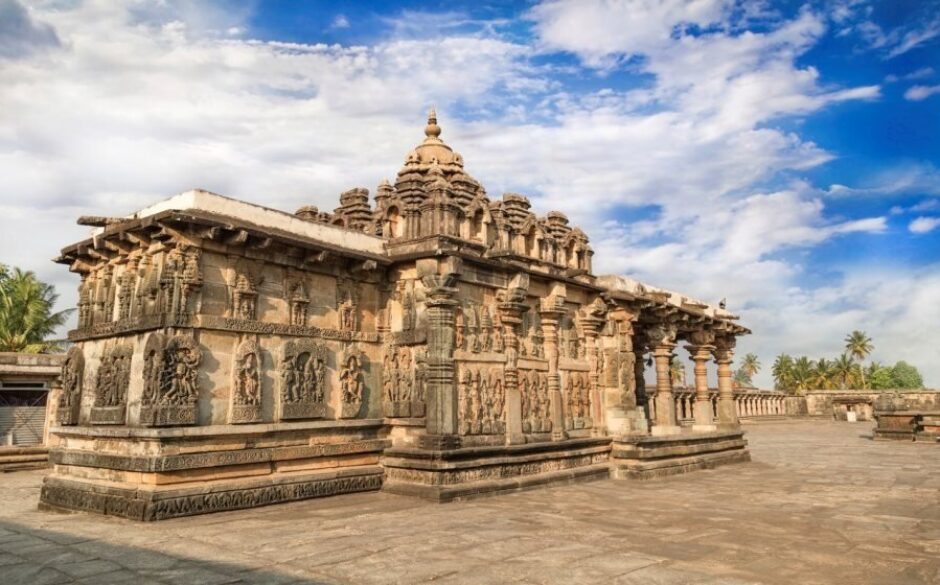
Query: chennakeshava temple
{"type": "Point", "coordinates": [432, 342]}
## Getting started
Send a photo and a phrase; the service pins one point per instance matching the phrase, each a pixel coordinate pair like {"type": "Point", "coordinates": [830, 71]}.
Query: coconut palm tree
{"type": "Point", "coordinates": [802, 373]}
{"type": "Point", "coordinates": [823, 374]}
{"type": "Point", "coordinates": [750, 365]}
{"type": "Point", "coordinates": [783, 372]}
{"type": "Point", "coordinates": [26, 317]}
{"type": "Point", "coordinates": [845, 370]}
{"type": "Point", "coordinates": [859, 346]}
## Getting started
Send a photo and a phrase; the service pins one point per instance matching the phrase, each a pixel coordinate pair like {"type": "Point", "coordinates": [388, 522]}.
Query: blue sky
{"type": "Point", "coordinates": [780, 154]}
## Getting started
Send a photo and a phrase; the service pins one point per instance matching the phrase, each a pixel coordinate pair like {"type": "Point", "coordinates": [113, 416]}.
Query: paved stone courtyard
{"type": "Point", "coordinates": [818, 504]}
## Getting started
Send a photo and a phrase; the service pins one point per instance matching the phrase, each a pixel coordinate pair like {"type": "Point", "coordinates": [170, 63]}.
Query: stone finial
{"type": "Point", "coordinates": [432, 130]}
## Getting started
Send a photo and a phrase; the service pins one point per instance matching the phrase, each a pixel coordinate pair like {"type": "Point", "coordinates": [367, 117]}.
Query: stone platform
{"type": "Point", "coordinates": [908, 425]}
{"type": "Point", "coordinates": [646, 457]}
{"type": "Point", "coordinates": [17, 458]}
{"type": "Point", "coordinates": [152, 474]}
{"type": "Point", "coordinates": [455, 474]}
{"type": "Point", "coordinates": [818, 505]}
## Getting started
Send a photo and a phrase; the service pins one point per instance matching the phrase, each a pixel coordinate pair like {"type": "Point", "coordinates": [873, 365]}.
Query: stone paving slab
{"type": "Point", "coordinates": [818, 505]}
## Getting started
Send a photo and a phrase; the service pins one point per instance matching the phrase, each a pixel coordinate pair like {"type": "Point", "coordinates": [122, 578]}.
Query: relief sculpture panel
{"type": "Point", "coordinates": [303, 380]}
{"type": "Point", "coordinates": [577, 401]}
{"type": "Point", "coordinates": [73, 370]}
{"type": "Point", "coordinates": [171, 380]}
{"type": "Point", "coordinates": [246, 383]}
{"type": "Point", "coordinates": [111, 382]}
{"type": "Point", "coordinates": [536, 403]}
{"type": "Point", "coordinates": [482, 399]}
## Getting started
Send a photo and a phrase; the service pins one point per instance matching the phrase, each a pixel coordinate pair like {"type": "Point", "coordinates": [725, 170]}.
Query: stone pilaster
{"type": "Point", "coordinates": [724, 352]}
{"type": "Point", "coordinates": [551, 312]}
{"type": "Point", "coordinates": [442, 431]}
{"type": "Point", "coordinates": [662, 340]}
{"type": "Point", "coordinates": [511, 308]}
{"type": "Point", "coordinates": [700, 350]}
{"type": "Point", "coordinates": [591, 320]}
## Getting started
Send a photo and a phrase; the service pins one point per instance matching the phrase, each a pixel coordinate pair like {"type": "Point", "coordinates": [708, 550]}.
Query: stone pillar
{"type": "Point", "coordinates": [442, 398]}
{"type": "Point", "coordinates": [700, 350]}
{"type": "Point", "coordinates": [724, 351]}
{"type": "Point", "coordinates": [591, 320]}
{"type": "Point", "coordinates": [511, 308]}
{"type": "Point", "coordinates": [639, 377]}
{"type": "Point", "coordinates": [551, 312]}
{"type": "Point", "coordinates": [662, 339]}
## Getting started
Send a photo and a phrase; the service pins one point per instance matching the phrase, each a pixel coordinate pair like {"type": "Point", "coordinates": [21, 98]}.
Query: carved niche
{"type": "Point", "coordinates": [303, 380]}
{"type": "Point", "coordinates": [245, 291]}
{"type": "Point", "coordinates": [128, 282]}
{"type": "Point", "coordinates": [295, 292]}
{"type": "Point", "coordinates": [577, 401]}
{"type": "Point", "coordinates": [347, 305]}
{"type": "Point", "coordinates": [111, 382]}
{"type": "Point", "coordinates": [409, 310]}
{"type": "Point", "coordinates": [85, 300]}
{"type": "Point", "coordinates": [352, 381]}
{"type": "Point", "coordinates": [73, 369]}
{"type": "Point", "coordinates": [536, 404]}
{"type": "Point", "coordinates": [180, 280]}
{"type": "Point", "coordinates": [245, 406]}
{"type": "Point", "coordinates": [171, 380]}
{"type": "Point", "coordinates": [482, 400]}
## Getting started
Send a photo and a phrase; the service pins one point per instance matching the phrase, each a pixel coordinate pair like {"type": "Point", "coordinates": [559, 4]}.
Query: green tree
{"type": "Point", "coordinates": [750, 365]}
{"type": "Point", "coordinates": [802, 374]}
{"type": "Point", "coordinates": [783, 372]}
{"type": "Point", "coordinates": [26, 317]}
{"type": "Point", "coordinates": [823, 374]}
{"type": "Point", "coordinates": [858, 345]}
{"type": "Point", "coordinates": [844, 371]}
{"type": "Point", "coordinates": [906, 376]}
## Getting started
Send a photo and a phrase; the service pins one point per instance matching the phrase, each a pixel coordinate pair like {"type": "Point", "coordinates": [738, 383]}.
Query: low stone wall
{"type": "Point", "coordinates": [862, 404]}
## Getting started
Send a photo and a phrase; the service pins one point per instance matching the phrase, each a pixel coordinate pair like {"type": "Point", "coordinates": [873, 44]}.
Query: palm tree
{"type": "Point", "coordinates": [858, 345]}
{"type": "Point", "coordinates": [26, 317]}
{"type": "Point", "coordinates": [823, 374]}
{"type": "Point", "coordinates": [783, 372]}
{"type": "Point", "coordinates": [844, 369]}
{"type": "Point", "coordinates": [749, 366]}
{"type": "Point", "coordinates": [802, 373]}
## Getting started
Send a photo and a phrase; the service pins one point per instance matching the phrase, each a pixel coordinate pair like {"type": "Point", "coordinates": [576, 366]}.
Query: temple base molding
{"type": "Point", "coordinates": [154, 474]}
{"type": "Point", "coordinates": [651, 457]}
{"type": "Point", "coordinates": [467, 472]}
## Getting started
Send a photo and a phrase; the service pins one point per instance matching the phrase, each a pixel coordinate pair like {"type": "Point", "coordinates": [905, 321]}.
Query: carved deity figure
{"type": "Point", "coordinates": [351, 380]}
{"type": "Point", "coordinates": [73, 370]}
{"type": "Point", "coordinates": [302, 376]}
{"type": "Point", "coordinates": [246, 379]}
{"type": "Point", "coordinates": [298, 300]}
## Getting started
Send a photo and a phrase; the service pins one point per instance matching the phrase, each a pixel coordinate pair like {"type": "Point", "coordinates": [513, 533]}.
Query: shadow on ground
{"type": "Point", "coordinates": [31, 556]}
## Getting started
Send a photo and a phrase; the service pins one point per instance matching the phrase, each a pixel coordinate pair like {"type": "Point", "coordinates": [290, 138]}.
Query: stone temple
{"type": "Point", "coordinates": [432, 342]}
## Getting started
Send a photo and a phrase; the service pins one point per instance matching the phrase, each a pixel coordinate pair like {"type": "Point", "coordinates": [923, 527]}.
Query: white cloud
{"type": "Point", "coordinates": [138, 104]}
{"type": "Point", "coordinates": [340, 21]}
{"type": "Point", "coordinates": [917, 93]}
{"type": "Point", "coordinates": [923, 225]}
